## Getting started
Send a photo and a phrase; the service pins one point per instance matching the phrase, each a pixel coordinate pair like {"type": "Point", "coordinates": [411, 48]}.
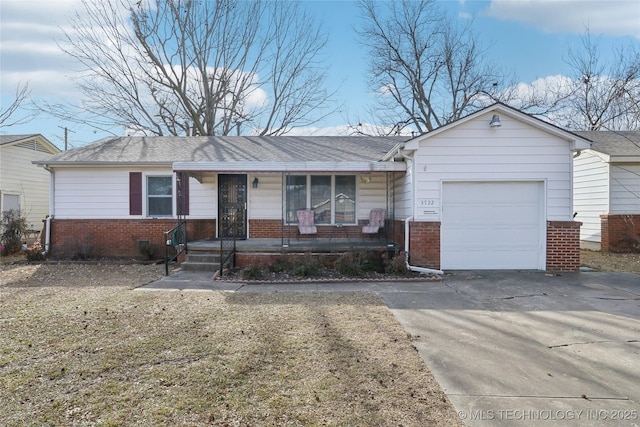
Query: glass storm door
{"type": "Point", "coordinates": [232, 206]}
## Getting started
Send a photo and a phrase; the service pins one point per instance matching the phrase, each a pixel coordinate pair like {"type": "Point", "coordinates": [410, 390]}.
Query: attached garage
{"type": "Point", "coordinates": [493, 225]}
{"type": "Point", "coordinates": [492, 190]}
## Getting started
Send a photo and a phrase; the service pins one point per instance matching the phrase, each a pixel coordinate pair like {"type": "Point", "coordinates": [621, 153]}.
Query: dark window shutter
{"type": "Point", "coordinates": [183, 202]}
{"type": "Point", "coordinates": [135, 193]}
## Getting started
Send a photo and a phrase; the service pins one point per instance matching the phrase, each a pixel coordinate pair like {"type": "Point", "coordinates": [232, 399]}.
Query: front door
{"type": "Point", "coordinates": [232, 206]}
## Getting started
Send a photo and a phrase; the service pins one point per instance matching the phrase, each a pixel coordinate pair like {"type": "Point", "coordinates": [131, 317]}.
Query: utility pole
{"type": "Point", "coordinates": [66, 137]}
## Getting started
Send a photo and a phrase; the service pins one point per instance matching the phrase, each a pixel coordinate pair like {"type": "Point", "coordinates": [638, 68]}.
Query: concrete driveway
{"type": "Point", "coordinates": [529, 348]}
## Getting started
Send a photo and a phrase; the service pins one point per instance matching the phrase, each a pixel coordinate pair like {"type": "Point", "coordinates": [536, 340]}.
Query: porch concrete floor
{"type": "Point", "coordinates": [295, 245]}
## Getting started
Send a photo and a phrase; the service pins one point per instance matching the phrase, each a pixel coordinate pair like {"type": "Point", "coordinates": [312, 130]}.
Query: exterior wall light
{"type": "Point", "coordinates": [255, 182]}
{"type": "Point", "coordinates": [495, 121]}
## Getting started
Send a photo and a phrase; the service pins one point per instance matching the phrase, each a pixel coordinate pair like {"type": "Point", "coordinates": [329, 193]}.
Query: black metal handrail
{"type": "Point", "coordinates": [175, 238]}
{"type": "Point", "coordinates": [228, 246]}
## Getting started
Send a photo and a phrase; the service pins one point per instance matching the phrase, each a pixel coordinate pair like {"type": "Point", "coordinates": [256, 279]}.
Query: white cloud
{"type": "Point", "coordinates": [614, 17]}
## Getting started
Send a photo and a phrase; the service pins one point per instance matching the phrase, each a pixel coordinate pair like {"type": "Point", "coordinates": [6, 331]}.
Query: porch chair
{"type": "Point", "coordinates": [376, 222]}
{"type": "Point", "coordinates": [305, 222]}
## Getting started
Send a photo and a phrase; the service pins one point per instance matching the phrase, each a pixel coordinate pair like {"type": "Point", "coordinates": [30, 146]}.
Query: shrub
{"type": "Point", "coordinates": [280, 265]}
{"type": "Point", "coordinates": [35, 252]}
{"type": "Point", "coordinates": [13, 227]}
{"type": "Point", "coordinates": [308, 267]}
{"type": "Point", "coordinates": [253, 272]}
{"type": "Point", "coordinates": [347, 265]}
{"type": "Point", "coordinates": [396, 264]}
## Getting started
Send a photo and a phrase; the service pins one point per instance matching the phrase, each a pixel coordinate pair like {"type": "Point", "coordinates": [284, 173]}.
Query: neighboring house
{"type": "Point", "coordinates": [607, 191]}
{"type": "Point", "coordinates": [23, 185]}
{"type": "Point", "coordinates": [469, 195]}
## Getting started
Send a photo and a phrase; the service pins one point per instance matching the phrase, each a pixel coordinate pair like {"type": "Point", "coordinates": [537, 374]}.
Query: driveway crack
{"type": "Point", "coordinates": [589, 342]}
{"type": "Point", "coordinates": [543, 294]}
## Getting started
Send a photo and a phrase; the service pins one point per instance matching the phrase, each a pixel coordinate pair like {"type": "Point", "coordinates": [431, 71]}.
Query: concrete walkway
{"type": "Point", "coordinates": [513, 348]}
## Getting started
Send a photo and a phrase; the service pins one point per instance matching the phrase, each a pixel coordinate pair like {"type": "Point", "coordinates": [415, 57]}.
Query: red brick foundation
{"type": "Point", "coordinates": [116, 238]}
{"type": "Point", "coordinates": [424, 244]}
{"type": "Point", "coordinates": [563, 245]}
{"type": "Point", "coordinates": [273, 229]}
{"type": "Point", "coordinates": [620, 233]}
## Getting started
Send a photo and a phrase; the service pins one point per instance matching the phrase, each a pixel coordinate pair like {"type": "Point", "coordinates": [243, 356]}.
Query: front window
{"type": "Point", "coordinates": [321, 199]}
{"type": "Point", "coordinates": [159, 196]}
{"type": "Point", "coordinates": [345, 200]}
{"type": "Point", "coordinates": [331, 197]}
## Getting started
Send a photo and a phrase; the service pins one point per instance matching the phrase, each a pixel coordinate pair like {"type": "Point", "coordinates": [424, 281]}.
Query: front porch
{"type": "Point", "coordinates": [320, 245]}
{"type": "Point", "coordinates": [208, 254]}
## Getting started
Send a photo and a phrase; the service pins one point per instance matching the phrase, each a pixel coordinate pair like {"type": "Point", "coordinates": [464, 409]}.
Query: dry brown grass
{"type": "Point", "coordinates": [79, 347]}
{"type": "Point", "coordinates": [607, 261]}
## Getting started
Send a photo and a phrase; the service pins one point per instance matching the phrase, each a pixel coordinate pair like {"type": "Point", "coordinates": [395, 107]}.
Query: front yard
{"type": "Point", "coordinates": [79, 347]}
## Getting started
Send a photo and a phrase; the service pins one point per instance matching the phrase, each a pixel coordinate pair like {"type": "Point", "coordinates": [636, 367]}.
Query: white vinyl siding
{"type": "Point", "coordinates": [92, 193]}
{"type": "Point", "coordinates": [473, 151]}
{"type": "Point", "coordinates": [625, 188]}
{"type": "Point", "coordinates": [19, 176]}
{"type": "Point", "coordinates": [590, 193]}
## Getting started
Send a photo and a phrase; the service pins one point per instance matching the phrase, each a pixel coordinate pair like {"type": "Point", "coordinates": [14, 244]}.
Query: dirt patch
{"type": "Point", "coordinates": [79, 347]}
{"type": "Point", "coordinates": [607, 261]}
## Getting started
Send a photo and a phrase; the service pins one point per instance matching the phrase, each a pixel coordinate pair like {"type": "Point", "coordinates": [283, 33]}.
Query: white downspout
{"type": "Point", "coordinates": [420, 270]}
{"type": "Point", "coordinates": [47, 238]}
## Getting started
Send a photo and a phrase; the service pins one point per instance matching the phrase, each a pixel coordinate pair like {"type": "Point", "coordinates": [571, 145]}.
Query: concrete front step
{"type": "Point", "coordinates": [201, 261]}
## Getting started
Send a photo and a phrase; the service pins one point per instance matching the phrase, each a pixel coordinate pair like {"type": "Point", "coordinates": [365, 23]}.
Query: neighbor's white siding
{"type": "Point", "coordinates": [625, 188]}
{"type": "Point", "coordinates": [19, 176]}
{"type": "Point", "coordinates": [590, 193]}
{"type": "Point", "coordinates": [473, 151]}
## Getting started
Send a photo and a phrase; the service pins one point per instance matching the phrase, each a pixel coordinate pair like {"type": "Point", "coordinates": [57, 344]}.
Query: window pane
{"type": "Point", "coordinates": [321, 199]}
{"type": "Point", "coordinates": [159, 185]}
{"type": "Point", "coordinates": [159, 196]}
{"type": "Point", "coordinates": [345, 199]}
{"type": "Point", "coordinates": [296, 196]}
{"type": "Point", "coordinates": [160, 206]}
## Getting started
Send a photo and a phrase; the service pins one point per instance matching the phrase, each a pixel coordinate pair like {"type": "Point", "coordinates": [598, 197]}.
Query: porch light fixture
{"type": "Point", "coordinates": [254, 184]}
{"type": "Point", "coordinates": [495, 121]}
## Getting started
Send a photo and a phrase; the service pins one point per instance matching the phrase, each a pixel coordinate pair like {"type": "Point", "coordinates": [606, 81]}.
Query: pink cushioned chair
{"type": "Point", "coordinates": [305, 222]}
{"type": "Point", "coordinates": [376, 222]}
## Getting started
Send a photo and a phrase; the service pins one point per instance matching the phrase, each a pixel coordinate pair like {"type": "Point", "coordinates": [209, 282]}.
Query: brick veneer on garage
{"type": "Point", "coordinates": [619, 233]}
{"type": "Point", "coordinates": [114, 238]}
{"type": "Point", "coordinates": [424, 244]}
{"type": "Point", "coordinates": [563, 245]}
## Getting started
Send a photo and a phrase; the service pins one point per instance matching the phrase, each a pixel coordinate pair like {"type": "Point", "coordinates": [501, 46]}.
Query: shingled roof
{"type": "Point", "coordinates": [614, 143]}
{"type": "Point", "coordinates": [167, 150]}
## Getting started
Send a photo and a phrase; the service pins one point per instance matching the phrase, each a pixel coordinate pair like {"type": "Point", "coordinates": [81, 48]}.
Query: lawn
{"type": "Point", "coordinates": [79, 346]}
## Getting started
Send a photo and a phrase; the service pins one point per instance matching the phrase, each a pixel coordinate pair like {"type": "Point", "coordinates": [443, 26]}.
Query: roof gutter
{"type": "Point", "coordinates": [253, 166]}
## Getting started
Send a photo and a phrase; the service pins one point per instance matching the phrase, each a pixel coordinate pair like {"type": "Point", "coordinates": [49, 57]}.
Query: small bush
{"type": "Point", "coordinates": [347, 265]}
{"type": "Point", "coordinates": [253, 272]}
{"type": "Point", "coordinates": [280, 265]}
{"type": "Point", "coordinates": [308, 267]}
{"type": "Point", "coordinates": [147, 250]}
{"type": "Point", "coordinates": [14, 227]}
{"type": "Point", "coordinates": [396, 264]}
{"type": "Point", "coordinates": [35, 252]}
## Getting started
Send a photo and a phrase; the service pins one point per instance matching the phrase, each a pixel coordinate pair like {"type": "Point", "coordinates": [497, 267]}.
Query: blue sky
{"type": "Point", "coordinates": [529, 38]}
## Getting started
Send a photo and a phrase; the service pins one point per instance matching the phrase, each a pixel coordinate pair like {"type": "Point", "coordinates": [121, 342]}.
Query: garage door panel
{"type": "Point", "coordinates": [492, 225]}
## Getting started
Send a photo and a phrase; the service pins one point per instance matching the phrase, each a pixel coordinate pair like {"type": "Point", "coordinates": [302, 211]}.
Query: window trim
{"type": "Point", "coordinates": [333, 197]}
{"type": "Point", "coordinates": [146, 195]}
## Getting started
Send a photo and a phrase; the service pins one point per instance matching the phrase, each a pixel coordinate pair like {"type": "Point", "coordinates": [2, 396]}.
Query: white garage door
{"type": "Point", "coordinates": [492, 225]}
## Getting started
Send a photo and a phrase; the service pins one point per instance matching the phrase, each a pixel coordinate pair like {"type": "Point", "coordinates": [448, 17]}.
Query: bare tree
{"type": "Point", "coordinates": [427, 69]}
{"type": "Point", "coordinates": [604, 96]}
{"type": "Point", "coordinates": [8, 115]}
{"type": "Point", "coordinates": [160, 67]}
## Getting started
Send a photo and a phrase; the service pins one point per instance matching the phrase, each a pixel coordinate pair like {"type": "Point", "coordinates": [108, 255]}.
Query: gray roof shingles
{"type": "Point", "coordinates": [8, 139]}
{"type": "Point", "coordinates": [141, 150]}
{"type": "Point", "coordinates": [614, 143]}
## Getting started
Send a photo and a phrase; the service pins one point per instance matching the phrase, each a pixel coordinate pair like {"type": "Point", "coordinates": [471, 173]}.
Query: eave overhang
{"type": "Point", "coordinates": [358, 167]}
